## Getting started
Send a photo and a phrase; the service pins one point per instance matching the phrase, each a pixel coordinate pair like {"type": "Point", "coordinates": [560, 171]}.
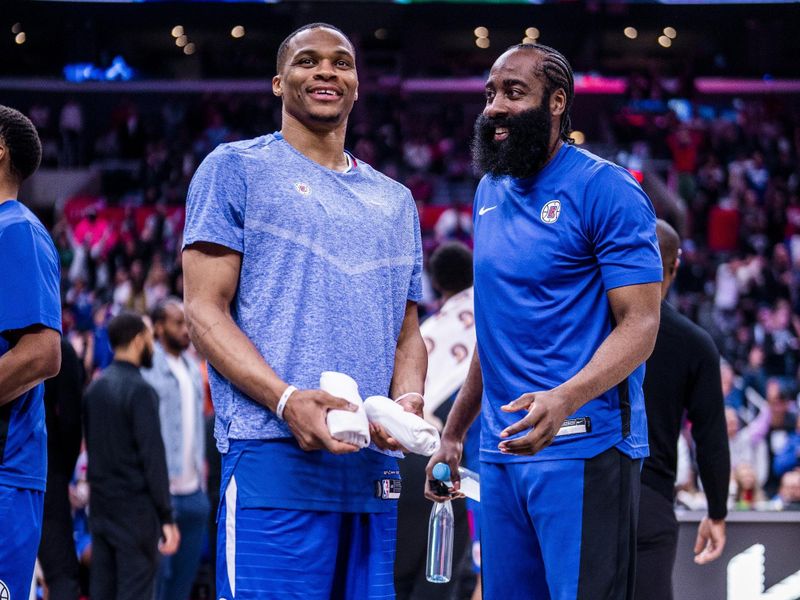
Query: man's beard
{"type": "Point", "coordinates": [523, 153]}
{"type": "Point", "coordinates": [146, 359]}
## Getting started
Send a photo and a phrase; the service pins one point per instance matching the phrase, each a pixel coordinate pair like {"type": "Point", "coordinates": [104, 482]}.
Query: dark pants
{"type": "Point", "coordinates": [57, 548]}
{"type": "Point", "coordinates": [124, 557]}
{"type": "Point", "coordinates": [177, 573]}
{"type": "Point", "coordinates": [412, 538]}
{"type": "Point", "coordinates": [656, 546]}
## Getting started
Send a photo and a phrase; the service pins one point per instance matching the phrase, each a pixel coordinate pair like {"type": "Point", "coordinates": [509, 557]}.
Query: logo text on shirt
{"type": "Point", "coordinates": [551, 211]}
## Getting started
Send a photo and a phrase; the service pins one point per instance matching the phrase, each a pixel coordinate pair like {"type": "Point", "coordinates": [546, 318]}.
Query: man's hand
{"type": "Point", "coordinates": [411, 403]}
{"type": "Point", "coordinates": [449, 453]}
{"type": "Point", "coordinates": [546, 413]}
{"type": "Point", "coordinates": [170, 539]}
{"type": "Point", "coordinates": [710, 540]}
{"type": "Point", "coordinates": [306, 415]}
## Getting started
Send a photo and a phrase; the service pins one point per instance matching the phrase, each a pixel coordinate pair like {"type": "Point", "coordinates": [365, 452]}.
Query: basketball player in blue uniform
{"type": "Point", "coordinates": [30, 352]}
{"type": "Point", "coordinates": [567, 291]}
{"type": "Point", "coordinates": [300, 259]}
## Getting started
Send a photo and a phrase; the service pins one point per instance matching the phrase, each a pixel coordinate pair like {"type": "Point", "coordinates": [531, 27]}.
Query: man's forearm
{"type": "Point", "coordinates": [628, 345]}
{"type": "Point", "coordinates": [34, 358]}
{"type": "Point", "coordinates": [217, 337]}
{"type": "Point", "coordinates": [410, 361]}
{"type": "Point", "coordinates": [468, 402]}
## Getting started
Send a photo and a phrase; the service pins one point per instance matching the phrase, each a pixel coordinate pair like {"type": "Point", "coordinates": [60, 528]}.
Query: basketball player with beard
{"type": "Point", "coordinates": [567, 292]}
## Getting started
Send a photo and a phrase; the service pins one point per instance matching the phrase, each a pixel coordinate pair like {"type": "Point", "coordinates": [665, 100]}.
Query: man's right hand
{"type": "Point", "coordinates": [170, 539]}
{"type": "Point", "coordinates": [306, 415]}
{"type": "Point", "coordinates": [449, 453]}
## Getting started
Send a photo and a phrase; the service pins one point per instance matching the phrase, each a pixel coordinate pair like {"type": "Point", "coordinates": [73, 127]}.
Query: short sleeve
{"type": "Point", "coordinates": [29, 279]}
{"type": "Point", "coordinates": [216, 201]}
{"type": "Point", "coordinates": [622, 227]}
{"type": "Point", "coordinates": [415, 286]}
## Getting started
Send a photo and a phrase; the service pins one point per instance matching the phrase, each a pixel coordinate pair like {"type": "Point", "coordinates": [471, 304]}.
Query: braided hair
{"type": "Point", "coordinates": [556, 72]}
{"type": "Point", "coordinates": [19, 136]}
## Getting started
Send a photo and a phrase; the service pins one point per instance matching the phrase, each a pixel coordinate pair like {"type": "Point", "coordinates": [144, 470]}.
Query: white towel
{"type": "Point", "coordinates": [413, 433]}
{"type": "Point", "coordinates": [346, 426]}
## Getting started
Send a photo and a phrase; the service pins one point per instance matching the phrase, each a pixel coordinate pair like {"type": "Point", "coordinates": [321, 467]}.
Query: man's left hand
{"type": "Point", "coordinates": [546, 413]}
{"type": "Point", "coordinates": [381, 437]}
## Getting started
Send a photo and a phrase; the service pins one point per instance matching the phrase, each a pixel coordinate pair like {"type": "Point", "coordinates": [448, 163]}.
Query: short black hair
{"type": "Point", "coordinates": [22, 142]}
{"type": "Point", "coordinates": [123, 328]}
{"type": "Point", "coordinates": [283, 49]}
{"type": "Point", "coordinates": [556, 72]}
{"type": "Point", "coordinates": [450, 267]}
{"type": "Point", "coordinates": [159, 313]}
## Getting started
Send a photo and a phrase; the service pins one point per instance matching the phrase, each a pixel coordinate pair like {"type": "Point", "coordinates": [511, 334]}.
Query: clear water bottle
{"type": "Point", "coordinates": [439, 563]}
{"type": "Point", "coordinates": [470, 480]}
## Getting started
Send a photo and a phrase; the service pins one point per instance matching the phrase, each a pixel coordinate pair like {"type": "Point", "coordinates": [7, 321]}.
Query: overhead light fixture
{"type": "Point", "coordinates": [177, 31]}
{"type": "Point", "coordinates": [664, 41]}
{"type": "Point", "coordinates": [631, 33]}
{"type": "Point", "coordinates": [481, 32]}
{"type": "Point", "coordinates": [237, 32]}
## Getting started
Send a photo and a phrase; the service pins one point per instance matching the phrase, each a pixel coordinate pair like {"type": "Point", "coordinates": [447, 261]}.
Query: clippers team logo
{"type": "Point", "coordinates": [303, 188]}
{"type": "Point", "coordinates": [551, 211]}
{"type": "Point", "coordinates": [5, 593]}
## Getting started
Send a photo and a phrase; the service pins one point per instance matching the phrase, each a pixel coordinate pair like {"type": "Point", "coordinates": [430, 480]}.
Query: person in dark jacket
{"type": "Point", "coordinates": [62, 409]}
{"type": "Point", "coordinates": [682, 377]}
{"type": "Point", "coordinates": [129, 502]}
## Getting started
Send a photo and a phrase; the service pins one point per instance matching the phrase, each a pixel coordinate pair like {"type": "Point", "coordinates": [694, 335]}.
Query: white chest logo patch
{"type": "Point", "coordinates": [303, 188]}
{"type": "Point", "coordinates": [551, 211]}
{"type": "Point", "coordinates": [5, 593]}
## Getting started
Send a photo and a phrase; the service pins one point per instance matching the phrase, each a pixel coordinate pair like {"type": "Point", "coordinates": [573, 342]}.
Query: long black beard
{"type": "Point", "coordinates": [523, 153]}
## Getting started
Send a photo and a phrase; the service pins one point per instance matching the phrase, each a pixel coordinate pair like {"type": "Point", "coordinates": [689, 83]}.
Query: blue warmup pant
{"type": "Point", "coordinates": [269, 553]}
{"type": "Point", "coordinates": [21, 518]}
{"type": "Point", "coordinates": [559, 529]}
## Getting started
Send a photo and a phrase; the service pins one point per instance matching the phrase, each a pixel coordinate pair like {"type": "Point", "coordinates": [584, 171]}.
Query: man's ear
{"type": "Point", "coordinates": [277, 86]}
{"type": "Point", "coordinates": [558, 102]}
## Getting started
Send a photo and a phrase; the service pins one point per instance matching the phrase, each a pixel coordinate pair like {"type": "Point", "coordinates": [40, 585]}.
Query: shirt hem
{"type": "Point", "coordinates": [25, 483]}
{"type": "Point", "coordinates": [640, 277]}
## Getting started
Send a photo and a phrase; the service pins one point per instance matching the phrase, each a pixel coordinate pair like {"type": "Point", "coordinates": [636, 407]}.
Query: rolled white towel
{"type": "Point", "coordinates": [346, 426]}
{"type": "Point", "coordinates": [414, 434]}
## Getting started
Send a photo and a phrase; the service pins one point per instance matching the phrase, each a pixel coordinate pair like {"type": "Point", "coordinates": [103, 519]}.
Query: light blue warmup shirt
{"type": "Point", "coordinates": [547, 251]}
{"type": "Point", "coordinates": [29, 295]}
{"type": "Point", "coordinates": [329, 261]}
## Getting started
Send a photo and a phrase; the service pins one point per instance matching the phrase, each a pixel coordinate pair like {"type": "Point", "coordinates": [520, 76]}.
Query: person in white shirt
{"type": "Point", "coordinates": [176, 377]}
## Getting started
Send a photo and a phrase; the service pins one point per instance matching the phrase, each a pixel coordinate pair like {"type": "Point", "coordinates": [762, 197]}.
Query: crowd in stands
{"type": "Point", "coordinates": [734, 166]}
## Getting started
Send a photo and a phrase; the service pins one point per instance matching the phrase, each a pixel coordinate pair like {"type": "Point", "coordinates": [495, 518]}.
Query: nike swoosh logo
{"type": "Point", "coordinates": [486, 209]}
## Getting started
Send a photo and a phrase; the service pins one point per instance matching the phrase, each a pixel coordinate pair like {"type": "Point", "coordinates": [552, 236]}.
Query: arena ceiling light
{"type": "Point", "coordinates": [237, 32]}
{"type": "Point", "coordinates": [381, 34]}
{"type": "Point", "coordinates": [664, 41]}
{"type": "Point", "coordinates": [20, 38]}
{"type": "Point", "coordinates": [181, 41]}
{"type": "Point", "coordinates": [631, 33]}
{"type": "Point", "coordinates": [177, 31]}
{"type": "Point", "coordinates": [16, 28]}
{"type": "Point", "coordinates": [670, 32]}
{"type": "Point", "coordinates": [532, 32]}
{"type": "Point", "coordinates": [189, 49]}
{"type": "Point", "coordinates": [481, 32]}
{"type": "Point", "coordinates": [482, 42]}
{"type": "Point", "coordinates": [578, 137]}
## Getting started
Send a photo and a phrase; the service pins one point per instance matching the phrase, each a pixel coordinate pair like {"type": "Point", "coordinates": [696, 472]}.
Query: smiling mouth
{"type": "Point", "coordinates": [325, 94]}
{"type": "Point", "coordinates": [500, 133]}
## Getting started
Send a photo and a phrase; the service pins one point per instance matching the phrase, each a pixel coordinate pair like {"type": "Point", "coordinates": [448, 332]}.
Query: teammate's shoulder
{"type": "Point", "coordinates": [689, 331]}
{"type": "Point", "coordinates": [17, 220]}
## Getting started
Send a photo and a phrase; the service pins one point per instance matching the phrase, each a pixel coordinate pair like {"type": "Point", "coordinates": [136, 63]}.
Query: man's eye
{"type": "Point", "coordinates": [305, 61]}
{"type": "Point", "coordinates": [343, 63]}
{"type": "Point", "coordinates": [489, 95]}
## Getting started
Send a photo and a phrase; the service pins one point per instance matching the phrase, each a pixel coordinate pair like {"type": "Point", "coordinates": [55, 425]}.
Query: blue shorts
{"type": "Point", "coordinates": [21, 518]}
{"type": "Point", "coordinates": [275, 553]}
{"type": "Point", "coordinates": [560, 529]}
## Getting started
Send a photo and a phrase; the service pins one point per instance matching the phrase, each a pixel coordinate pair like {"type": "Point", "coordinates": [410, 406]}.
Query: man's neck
{"type": "Point", "coordinates": [127, 356]}
{"type": "Point", "coordinates": [324, 147]}
{"type": "Point", "coordinates": [8, 192]}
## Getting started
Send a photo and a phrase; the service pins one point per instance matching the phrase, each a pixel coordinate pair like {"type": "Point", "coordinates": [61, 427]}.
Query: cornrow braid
{"type": "Point", "coordinates": [557, 73]}
{"type": "Point", "coordinates": [22, 142]}
{"type": "Point", "coordinates": [283, 49]}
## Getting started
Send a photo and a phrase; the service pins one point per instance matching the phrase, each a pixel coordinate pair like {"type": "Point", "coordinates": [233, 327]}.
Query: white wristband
{"type": "Point", "coordinates": [283, 400]}
{"type": "Point", "coordinates": [407, 394]}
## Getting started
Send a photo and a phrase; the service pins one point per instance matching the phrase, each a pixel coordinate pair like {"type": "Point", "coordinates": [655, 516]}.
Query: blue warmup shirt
{"type": "Point", "coordinates": [547, 250]}
{"type": "Point", "coordinates": [329, 261]}
{"type": "Point", "coordinates": [29, 295]}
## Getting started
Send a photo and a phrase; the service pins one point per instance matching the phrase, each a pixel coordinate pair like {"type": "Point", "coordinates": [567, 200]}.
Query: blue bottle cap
{"type": "Point", "coordinates": [441, 471]}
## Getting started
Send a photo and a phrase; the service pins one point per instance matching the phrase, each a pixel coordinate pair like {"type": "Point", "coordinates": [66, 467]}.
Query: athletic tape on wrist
{"type": "Point", "coordinates": [283, 400]}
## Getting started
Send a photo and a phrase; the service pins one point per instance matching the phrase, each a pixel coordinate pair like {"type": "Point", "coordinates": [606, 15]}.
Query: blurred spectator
{"type": "Point", "coordinates": [748, 495]}
{"type": "Point", "coordinates": [788, 497]}
{"type": "Point", "coordinates": [747, 444]}
{"type": "Point", "coordinates": [176, 378]}
{"type": "Point", "coordinates": [789, 458]}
